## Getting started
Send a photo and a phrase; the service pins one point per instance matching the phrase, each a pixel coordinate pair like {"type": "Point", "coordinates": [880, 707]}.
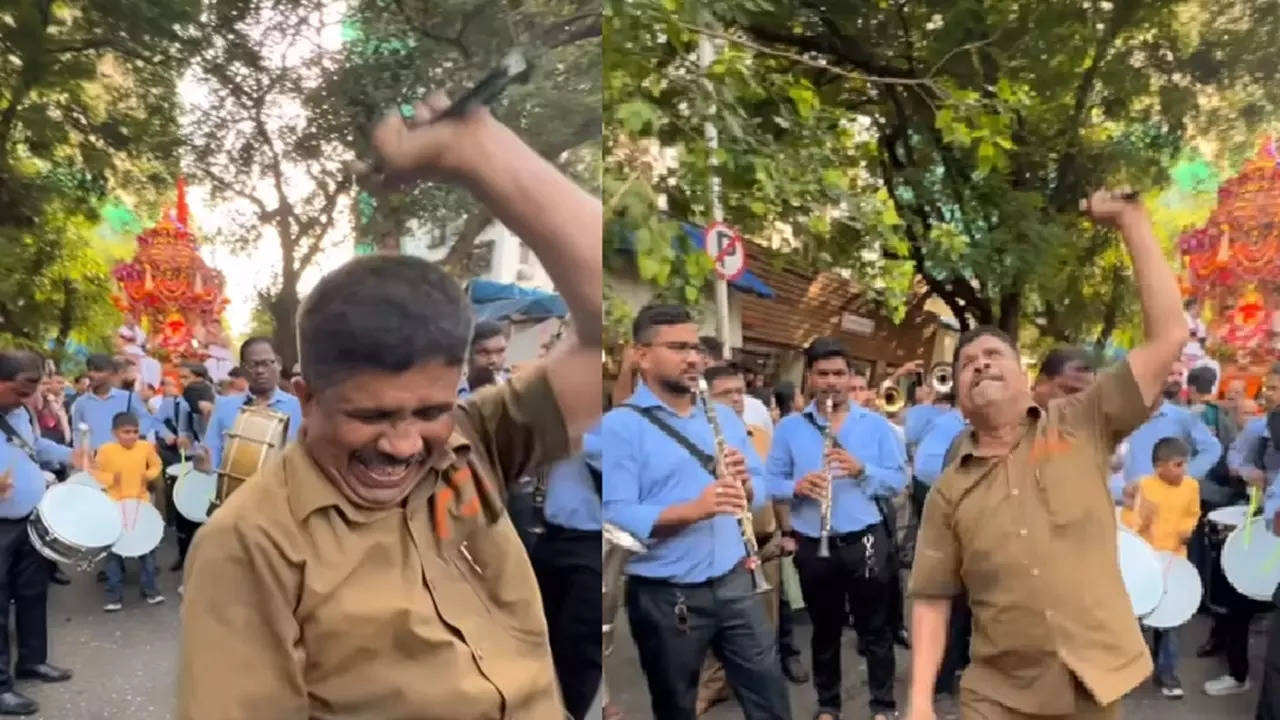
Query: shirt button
{"type": "Point", "coordinates": [1023, 532]}
{"type": "Point", "coordinates": [1014, 492]}
{"type": "Point", "coordinates": [1048, 614]}
{"type": "Point", "coordinates": [1035, 572]}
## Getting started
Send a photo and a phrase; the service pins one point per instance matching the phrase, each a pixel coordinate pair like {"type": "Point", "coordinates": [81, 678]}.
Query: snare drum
{"type": "Point", "coordinates": [1253, 568]}
{"type": "Point", "coordinates": [143, 528]}
{"type": "Point", "coordinates": [193, 493]}
{"type": "Point", "coordinates": [1220, 522]}
{"type": "Point", "coordinates": [1141, 571]}
{"type": "Point", "coordinates": [258, 433]}
{"type": "Point", "coordinates": [75, 525]}
{"type": "Point", "coordinates": [1182, 593]}
{"type": "Point", "coordinates": [85, 479]}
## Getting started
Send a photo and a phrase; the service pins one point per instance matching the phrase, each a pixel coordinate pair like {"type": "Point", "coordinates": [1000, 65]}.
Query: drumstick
{"type": "Point", "coordinates": [1253, 509]}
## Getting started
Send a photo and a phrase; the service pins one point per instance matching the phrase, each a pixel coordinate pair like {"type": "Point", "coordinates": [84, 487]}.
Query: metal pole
{"type": "Point", "coordinates": [706, 56]}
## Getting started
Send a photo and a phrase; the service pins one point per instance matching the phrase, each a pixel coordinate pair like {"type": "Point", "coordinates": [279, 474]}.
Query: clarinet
{"type": "Point", "coordinates": [745, 522]}
{"type": "Point", "coordinates": [828, 442]}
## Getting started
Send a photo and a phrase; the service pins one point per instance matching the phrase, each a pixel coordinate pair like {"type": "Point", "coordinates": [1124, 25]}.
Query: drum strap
{"type": "Point", "coordinates": [703, 458]}
{"type": "Point", "coordinates": [15, 437]}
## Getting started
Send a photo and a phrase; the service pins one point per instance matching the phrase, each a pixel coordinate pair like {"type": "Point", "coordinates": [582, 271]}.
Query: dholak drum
{"type": "Point", "coordinates": [193, 493]}
{"type": "Point", "coordinates": [75, 525]}
{"type": "Point", "coordinates": [85, 479]}
{"type": "Point", "coordinates": [1252, 567]}
{"type": "Point", "coordinates": [257, 433]}
{"type": "Point", "coordinates": [1141, 571]}
{"type": "Point", "coordinates": [1182, 593]}
{"type": "Point", "coordinates": [143, 528]}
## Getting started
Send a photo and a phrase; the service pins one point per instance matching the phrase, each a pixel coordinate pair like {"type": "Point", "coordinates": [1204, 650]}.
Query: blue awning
{"type": "Point", "coordinates": [747, 282]}
{"type": "Point", "coordinates": [497, 301]}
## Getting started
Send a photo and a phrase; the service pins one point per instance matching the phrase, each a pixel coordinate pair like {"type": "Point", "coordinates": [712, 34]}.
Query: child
{"type": "Point", "coordinates": [1164, 509]}
{"type": "Point", "coordinates": [125, 468]}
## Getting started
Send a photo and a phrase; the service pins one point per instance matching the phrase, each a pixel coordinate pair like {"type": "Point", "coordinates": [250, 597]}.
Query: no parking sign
{"type": "Point", "coordinates": [724, 246]}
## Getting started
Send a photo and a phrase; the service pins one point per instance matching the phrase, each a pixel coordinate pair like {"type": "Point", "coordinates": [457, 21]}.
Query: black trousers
{"type": "Point", "coordinates": [673, 625]}
{"type": "Point", "coordinates": [184, 529]}
{"type": "Point", "coordinates": [786, 624]}
{"type": "Point", "coordinates": [956, 657]}
{"type": "Point", "coordinates": [1269, 697]}
{"type": "Point", "coordinates": [858, 575]}
{"type": "Point", "coordinates": [24, 579]}
{"type": "Point", "coordinates": [567, 563]}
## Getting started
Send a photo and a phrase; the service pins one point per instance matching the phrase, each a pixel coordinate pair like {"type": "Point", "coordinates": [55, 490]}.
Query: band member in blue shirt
{"type": "Point", "coordinates": [866, 461]}
{"type": "Point", "coordinates": [104, 401]}
{"type": "Point", "coordinates": [691, 590]}
{"type": "Point", "coordinates": [259, 359]}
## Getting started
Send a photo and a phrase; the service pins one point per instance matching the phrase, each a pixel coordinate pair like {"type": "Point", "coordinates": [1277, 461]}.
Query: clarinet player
{"type": "Point", "coordinates": [691, 590]}
{"type": "Point", "coordinates": [865, 461]}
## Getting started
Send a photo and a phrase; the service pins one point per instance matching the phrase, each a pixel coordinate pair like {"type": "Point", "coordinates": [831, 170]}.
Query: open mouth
{"type": "Point", "coordinates": [384, 474]}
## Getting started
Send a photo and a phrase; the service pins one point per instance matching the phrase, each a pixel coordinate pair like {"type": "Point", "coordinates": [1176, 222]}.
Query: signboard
{"type": "Point", "coordinates": [724, 246]}
{"type": "Point", "coordinates": [857, 324]}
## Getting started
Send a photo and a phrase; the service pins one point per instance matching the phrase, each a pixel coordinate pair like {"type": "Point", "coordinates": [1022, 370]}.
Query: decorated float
{"type": "Point", "coordinates": [171, 300]}
{"type": "Point", "coordinates": [1231, 274]}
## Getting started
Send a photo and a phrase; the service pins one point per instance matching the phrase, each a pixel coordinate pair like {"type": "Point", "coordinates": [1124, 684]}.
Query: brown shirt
{"type": "Point", "coordinates": [763, 521]}
{"type": "Point", "coordinates": [301, 605]}
{"type": "Point", "coordinates": [1031, 537]}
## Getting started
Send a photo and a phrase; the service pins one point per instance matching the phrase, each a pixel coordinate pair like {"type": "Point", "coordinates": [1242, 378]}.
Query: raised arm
{"type": "Point", "coordinates": [1205, 450]}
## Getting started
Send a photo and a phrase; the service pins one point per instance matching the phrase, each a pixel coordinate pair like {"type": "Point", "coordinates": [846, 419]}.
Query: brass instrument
{"type": "Point", "coordinates": [617, 548]}
{"type": "Point", "coordinates": [892, 399]}
{"type": "Point", "coordinates": [828, 442]}
{"type": "Point", "coordinates": [745, 522]}
{"type": "Point", "coordinates": [942, 378]}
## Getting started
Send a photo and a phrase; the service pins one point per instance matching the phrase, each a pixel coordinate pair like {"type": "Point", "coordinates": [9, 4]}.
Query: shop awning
{"type": "Point", "coordinates": [498, 301]}
{"type": "Point", "coordinates": [747, 282]}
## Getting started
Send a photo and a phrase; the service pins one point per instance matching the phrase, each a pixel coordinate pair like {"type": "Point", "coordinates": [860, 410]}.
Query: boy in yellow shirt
{"type": "Point", "coordinates": [1164, 508]}
{"type": "Point", "coordinates": [125, 468]}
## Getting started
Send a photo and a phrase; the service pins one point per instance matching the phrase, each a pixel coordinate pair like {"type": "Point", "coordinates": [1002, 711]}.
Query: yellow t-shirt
{"type": "Point", "coordinates": [137, 466]}
{"type": "Point", "coordinates": [1177, 510]}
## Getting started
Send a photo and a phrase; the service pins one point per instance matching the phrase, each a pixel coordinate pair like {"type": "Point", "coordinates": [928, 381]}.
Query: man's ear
{"type": "Point", "coordinates": [302, 391]}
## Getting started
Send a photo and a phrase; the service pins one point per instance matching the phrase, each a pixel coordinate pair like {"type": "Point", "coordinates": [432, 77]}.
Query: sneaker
{"type": "Point", "coordinates": [1225, 685]}
{"type": "Point", "coordinates": [1171, 688]}
{"type": "Point", "coordinates": [155, 599]}
{"type": "Point", "coordinates": [112, 606]}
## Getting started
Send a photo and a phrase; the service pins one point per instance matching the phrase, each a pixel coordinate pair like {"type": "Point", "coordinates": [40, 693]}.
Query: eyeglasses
{"type": "Point", "coordinates": [259, 364]}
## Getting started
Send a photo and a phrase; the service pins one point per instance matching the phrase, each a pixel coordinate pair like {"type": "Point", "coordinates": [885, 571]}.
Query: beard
{"type": "Point", "coordinates": [676, 386]}
{"type": "Point", "coordinates": [1171, 391]}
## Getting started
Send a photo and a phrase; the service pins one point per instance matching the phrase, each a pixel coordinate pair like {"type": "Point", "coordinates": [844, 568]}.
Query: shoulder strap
{"type": "Point", "coordinates": [15, 437]}
{"type": "Point", "coordinates": [704, 459]}
{"type": "Point", "coordinates": [816, 426]}
{"type": "Point", "coordinates": [597, 478]}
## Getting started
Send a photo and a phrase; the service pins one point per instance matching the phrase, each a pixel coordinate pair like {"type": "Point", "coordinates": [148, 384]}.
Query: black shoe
{"type": "Point", "coordinates": [795, 670]}
{"type": "Point", "coordinates": [44, 672]}
{"type": "Point", "coordinates": [15, 703]}
{"type": "Point", "coordinates": [57, 577]}
{"type": "Point", "coordinates": [1210, 648]}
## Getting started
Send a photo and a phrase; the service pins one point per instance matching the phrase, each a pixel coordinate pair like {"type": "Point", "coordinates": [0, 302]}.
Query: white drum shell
{"type": "Point", "coordinates": [1253, 568]}
{"type": "Point", "coordinates": [74, 524]}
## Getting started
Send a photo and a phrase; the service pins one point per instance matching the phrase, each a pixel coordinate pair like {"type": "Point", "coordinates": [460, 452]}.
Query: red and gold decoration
{"type": "Point", "coordinates": [168, 289]}
{"type": "Point", "coordinates": [1232, 268]}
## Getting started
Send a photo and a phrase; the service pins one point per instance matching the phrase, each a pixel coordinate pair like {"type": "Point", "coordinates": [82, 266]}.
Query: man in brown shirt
{"type": "Point", "coordinates": [371, 571]}
{"type": "Point", "coordinates": [1023, 520]}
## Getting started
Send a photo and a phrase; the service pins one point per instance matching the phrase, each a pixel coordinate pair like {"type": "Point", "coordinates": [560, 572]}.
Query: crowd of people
{"type": "Point", "coordinates": [1014, 487]}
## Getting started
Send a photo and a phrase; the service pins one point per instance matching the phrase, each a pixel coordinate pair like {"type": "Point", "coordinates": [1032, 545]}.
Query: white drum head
{"type": "Point", "coordinates": [192, 494]}
{"type": "Point", "coordinates": [1232, 516]}
{"type": "Point", "coordinates": [49, 478]}
{"type": "Point", "coordinates": [81, 515]}
{"type": "Point", "coordinates": [143, 528]}
{"type": "Point", "coordinates": [176, 470]}
{"type": "Point", "coordinates": [1182, 593]}
{"type": "Point", "coordinates": [1254, 569]}
{"type": "Point", "coordinates": [1141, 571]}
{"type": "Point", "coordinates": [85, 479]}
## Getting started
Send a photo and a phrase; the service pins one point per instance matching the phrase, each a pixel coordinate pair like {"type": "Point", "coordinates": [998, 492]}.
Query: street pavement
{"type": "Point", "coordinates": [125, 663]}
{"type": "Point", "coordinates": [628, 690]}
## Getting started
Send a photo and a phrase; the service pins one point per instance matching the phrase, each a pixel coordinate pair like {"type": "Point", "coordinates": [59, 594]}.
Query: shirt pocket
{"type": "Point", "coordinates": [492, 562]}
{"type": "Point", "coordinates": [1068, 474]}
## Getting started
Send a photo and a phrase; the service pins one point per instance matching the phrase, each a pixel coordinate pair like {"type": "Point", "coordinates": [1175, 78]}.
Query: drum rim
{"type": "Point", "coordinates": [1147, 552]}
{"type": "Point", "coordinates": [1185, 566]}
{"type": "Point", "coordinates": [182, 483]}
{"type": "Point", "coordinates": [45, 521]}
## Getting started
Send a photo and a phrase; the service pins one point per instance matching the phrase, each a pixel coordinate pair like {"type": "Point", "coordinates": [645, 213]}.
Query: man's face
{"type": "Point", "coordinates": [375, 433]}
{"type": "Point", "coordinates": [829, 378]}
{"type": "Point", "coordinates": [263, 367]}
{"type": "Point", "coordinates": [671, 358]}
{"type": "Point", "coordinates": [17, 391]}
{"type": "Point", "coordinates": [1271, 391]}
{"type": "Point", "coordinates": [1173, 381]}
{"type": "Point", "coordinates": [58, 385]}
{"type": "Point", "coordinates": [1236, 391]}
{"type": "Point", "coordinates": [185, 376]}
{"type": "Point", "coordinates": [989, 376]}
{"type": "Point", "coordinates": [491, 353]}
{"type": "Point", "coordinates": [860, 391]}
{"type": "Point", "coordinates": [82, 385]}
{"type": "Point", "coordinates": [128, 375]}
{"type": "Point", "coordinates": [1075, 378]}
{"type": "Point", "coordinates": [100, 380]}
{"type": "Point", "coordinates": [730, 390]}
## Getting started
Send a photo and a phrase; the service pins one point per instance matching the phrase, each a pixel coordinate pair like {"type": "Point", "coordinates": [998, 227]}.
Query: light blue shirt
{"type": "Point", "coordinates": [1171, 420]}
{"type": "Point", "coordinates": [931, 453]}
{"type": "Point", "coordinates": [166, 413]}
{"type": "Point", "coordinates": [571, 500]}
{"type": "Point", "coordinates": [28, 483]}
{"type": "Point", "coordinates": [1243, 449]}
{"type": "Point", "coordinates": [227, 409]}
{"type": "Point", "coordinates": [97, 413]}
{"type": "Point", "coordinates": [797, 451]}
{"type": "Point", "coordinates": [917, 421]}
{"type": "Point", "coordinates": [48, 452]}
{"type": "Point", "coordinates": [647, 472]}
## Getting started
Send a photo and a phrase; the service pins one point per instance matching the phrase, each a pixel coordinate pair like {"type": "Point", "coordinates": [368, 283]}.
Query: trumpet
{"type": "Point", "coordinates": [745, 522]}
{"type": "Point", "coordinates": [892, 399]}
{"type": "Point", "coordinates": [942, 378]}
{"type": "Point", "coordinates": [828, 442]}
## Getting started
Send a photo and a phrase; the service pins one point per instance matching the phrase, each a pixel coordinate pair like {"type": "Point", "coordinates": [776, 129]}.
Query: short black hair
{"type": "Point", "coordinates": [197, 369]}
{"type": "Point", "coordinates": [80, 377]}
{"type": "Point", "coordinates": [762, 394]}
{"type": "Point", "coordinates": [381, 312]}
{"type": "Point", "coordinates": [969, 336]}
{"type": "Point", "coordinates": [255, 340]}
{"type": "Point", "coordinates": [823, 348]}
{"type": "Point", "coordinates": [99, 362]}
{"type": "Point", "coordinates": [784, 396]}
{"type": "Point", "coordinates": [1169, 448]}
{"type": "Point", "coordinates": [723, 370]}
{"type": "Point", "coordinates": [1057, 360]}
{"type": "Point", "coordinates": [16, 362]}
{"type": "Point", "coordinates": [236, 372]}
{"type": "Point", "coordinates": [657, 315]}
{"type": "Point", "coordinates": [486, 330]}
{"type": "Point", "coordinates": [1201, 379]}
{"type": "Point", "coordinates": [200, 390]}
{"type": "Point", "coordinates": [712, 346]}
{"type": "Point", "coordinates": [124, 420]}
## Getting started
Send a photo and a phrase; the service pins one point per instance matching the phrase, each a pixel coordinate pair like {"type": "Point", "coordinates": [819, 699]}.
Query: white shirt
{"type": "Point", "coordinates": [756, 413]}
{"type": "Point", "coordinates": [218, 363]}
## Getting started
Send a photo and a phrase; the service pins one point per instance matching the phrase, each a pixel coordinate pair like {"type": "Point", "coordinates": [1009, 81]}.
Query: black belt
{"type": "Point", "coordinates": [560, 532]}
{"type": "Point", "coordinates": [642, 581]}
{"type": "Point", "coordinates": [842, 539]}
